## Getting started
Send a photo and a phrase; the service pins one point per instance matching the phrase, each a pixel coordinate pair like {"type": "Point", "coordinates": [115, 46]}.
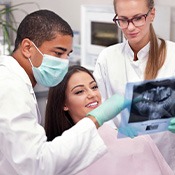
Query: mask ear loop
{"type": "Point", "coordinates": [30, 62]}
{"type": "Point", "coordinates": [37, 48]}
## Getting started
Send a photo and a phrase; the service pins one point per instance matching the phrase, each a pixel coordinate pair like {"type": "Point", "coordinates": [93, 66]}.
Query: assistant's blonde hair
{"type": "Point", "coordinates": [157, 53]}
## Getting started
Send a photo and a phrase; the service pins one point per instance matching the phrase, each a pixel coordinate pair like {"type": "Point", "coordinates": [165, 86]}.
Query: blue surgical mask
{"type": "Point", "coordinates": [51, 71]}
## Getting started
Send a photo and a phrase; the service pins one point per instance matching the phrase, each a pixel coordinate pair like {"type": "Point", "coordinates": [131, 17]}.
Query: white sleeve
{"type": "Point", "coordinates": [23, 140]}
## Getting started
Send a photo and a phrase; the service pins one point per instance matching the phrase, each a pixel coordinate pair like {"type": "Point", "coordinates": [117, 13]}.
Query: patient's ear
{"type": "Point", "coordinates": [65, 108]}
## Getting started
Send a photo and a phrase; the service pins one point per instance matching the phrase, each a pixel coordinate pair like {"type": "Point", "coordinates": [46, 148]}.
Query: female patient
{"type": "Point", "coordinates": [71, 100]}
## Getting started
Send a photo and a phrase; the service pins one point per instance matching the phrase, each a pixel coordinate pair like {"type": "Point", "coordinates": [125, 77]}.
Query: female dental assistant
{"type": "Point", "coordinates": [142, 56]}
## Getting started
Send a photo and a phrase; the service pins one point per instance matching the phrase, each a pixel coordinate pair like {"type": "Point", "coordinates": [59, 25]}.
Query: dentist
{"type": "Point", "coordinates": [42, 46]}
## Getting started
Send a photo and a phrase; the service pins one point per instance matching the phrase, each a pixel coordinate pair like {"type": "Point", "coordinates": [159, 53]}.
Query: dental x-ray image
{"type": "Point", "coordinates": [155, 107]}
{"type": "Point", "coordinates": [157, 101]}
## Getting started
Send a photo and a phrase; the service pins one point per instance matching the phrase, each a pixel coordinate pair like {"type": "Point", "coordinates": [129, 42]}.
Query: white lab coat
{"type": "Point", "coordinates": [115, 67]}
{"type": "Point", "coordinates": [23, 146]}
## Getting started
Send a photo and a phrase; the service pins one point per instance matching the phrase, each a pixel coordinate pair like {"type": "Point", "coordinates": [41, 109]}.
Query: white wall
{"type": "Point", "coordinates": [170, 3]}
{"type": "Point", "coordinates": [165, 2]}
{"type": "Point", "coordinates": [68, 9]}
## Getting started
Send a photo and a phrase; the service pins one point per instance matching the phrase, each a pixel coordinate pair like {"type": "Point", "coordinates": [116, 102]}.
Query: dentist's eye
{"type": "Point", "coordinates": [58, 54]}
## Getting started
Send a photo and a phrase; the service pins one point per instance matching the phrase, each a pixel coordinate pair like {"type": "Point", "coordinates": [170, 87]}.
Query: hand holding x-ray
{"type": "Point", "coordinates": [171, 127]}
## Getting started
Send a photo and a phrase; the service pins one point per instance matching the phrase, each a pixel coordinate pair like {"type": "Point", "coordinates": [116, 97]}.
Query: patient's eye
{"type": "Point", "coordinates": [95, 87]}
{"type": "Point", "coordinates": [79, 92]}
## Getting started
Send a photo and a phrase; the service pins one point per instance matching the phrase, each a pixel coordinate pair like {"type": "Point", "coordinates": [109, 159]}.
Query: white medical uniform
{"type": "Point", "coordinates": [23, 146]}
{"type": "Point", "coordinates": [115, 67]}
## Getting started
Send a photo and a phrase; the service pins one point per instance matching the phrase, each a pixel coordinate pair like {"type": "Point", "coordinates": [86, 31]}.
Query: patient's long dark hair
{"type": "Point", "coordinates": [56, 119]}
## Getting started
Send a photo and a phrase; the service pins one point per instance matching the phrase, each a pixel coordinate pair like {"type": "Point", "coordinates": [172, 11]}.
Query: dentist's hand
{"type": "Point", "coordinates": [171, 127]}
{"type": "Point", "coordinates": [110, 108]}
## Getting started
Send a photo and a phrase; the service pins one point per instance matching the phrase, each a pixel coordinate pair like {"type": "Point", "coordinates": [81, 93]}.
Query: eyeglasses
{"type": "Point", "coordinates": [136, 21]}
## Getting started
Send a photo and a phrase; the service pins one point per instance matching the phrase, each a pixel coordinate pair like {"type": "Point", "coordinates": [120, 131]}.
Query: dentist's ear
{"type": "Point", "coordinates": [26, 48]}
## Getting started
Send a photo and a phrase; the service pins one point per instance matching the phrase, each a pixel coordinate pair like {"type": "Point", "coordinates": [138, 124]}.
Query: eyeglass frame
{"type": "Point", "coordinates": [116, 21]}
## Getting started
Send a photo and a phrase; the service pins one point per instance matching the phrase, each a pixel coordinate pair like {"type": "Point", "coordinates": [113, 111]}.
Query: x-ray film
{"type": "Point", "coordinates": [155, 107]}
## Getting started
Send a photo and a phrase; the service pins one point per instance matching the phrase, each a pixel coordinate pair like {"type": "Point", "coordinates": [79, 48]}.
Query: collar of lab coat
{"type": "Point", "coordinates": [140, 55]}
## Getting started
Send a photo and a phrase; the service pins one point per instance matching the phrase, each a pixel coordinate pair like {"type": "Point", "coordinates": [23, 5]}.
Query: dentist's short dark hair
{"type": "Point", "coordinates": [40, 26]}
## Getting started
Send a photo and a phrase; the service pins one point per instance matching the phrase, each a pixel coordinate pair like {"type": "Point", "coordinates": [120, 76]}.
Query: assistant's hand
{"type": "Point", "coordinates": [110, 108]}
{"type": "Point", "coordinates": [128, 131]}
{"type": "Point", "coordinates": [171, 127]}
